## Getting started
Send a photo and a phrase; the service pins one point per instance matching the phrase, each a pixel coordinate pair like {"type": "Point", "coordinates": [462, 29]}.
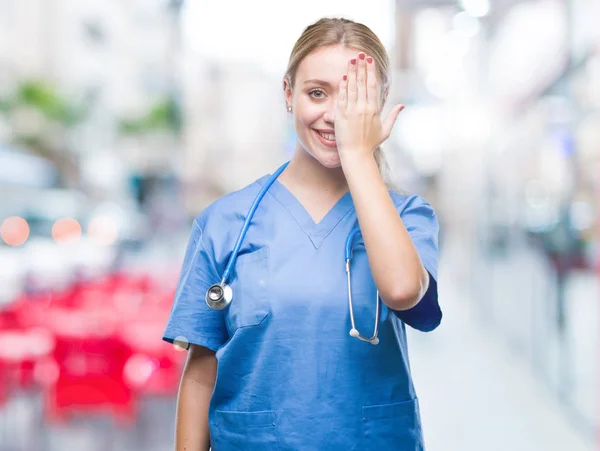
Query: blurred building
{"type": "Point", "coordinates": [235, 127]}
{"type": "Point", "coordinates": [502, 133]}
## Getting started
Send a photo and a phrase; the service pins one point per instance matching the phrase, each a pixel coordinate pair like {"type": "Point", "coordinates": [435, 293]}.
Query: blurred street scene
{"type": "Point", "coordinates": [120, 120]}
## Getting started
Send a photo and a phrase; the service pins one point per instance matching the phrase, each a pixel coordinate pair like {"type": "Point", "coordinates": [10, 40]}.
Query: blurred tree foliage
{"type": "Point", "coordinates": [49, 102]}
{"type": "Point", "coordinates": [4, 106]}
{"type": "Point", "coordinates": [164, 115]}
{"type": "Point", "coordinates": [40, 119]}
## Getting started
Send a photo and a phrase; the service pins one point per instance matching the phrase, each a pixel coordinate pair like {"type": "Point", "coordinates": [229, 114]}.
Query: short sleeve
{"type": "Point", "coordinates": [422, 225]}
{"type": "Point", "coordinates": [191, 320]}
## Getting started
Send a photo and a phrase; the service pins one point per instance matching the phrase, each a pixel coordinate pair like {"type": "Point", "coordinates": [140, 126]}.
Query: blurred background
{"type": "Point", "coordinates": [120, 120]}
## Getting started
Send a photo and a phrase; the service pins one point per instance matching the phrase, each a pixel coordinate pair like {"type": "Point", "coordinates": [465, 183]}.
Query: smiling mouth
{"type": "Point", "coordinates": [326, 139]}
{"type": "Point", "coordinates": [327, 136]}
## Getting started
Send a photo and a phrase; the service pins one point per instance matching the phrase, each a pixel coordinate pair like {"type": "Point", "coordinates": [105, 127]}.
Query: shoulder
{"type": "Point", "coordinates": [230, 208]}
{"type": "Point", "coordinates": [417, 214]}
{"type": "Point", "coordinates": [406, 202]}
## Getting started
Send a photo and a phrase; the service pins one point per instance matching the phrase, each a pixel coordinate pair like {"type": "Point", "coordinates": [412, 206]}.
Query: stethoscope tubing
{"type": "Point", "coordinates": [219, 295]}
{"type": "Point", "coordinates": [249, 216]}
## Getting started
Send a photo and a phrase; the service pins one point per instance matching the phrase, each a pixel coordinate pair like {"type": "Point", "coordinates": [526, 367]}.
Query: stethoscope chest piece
{"type": "Point", "coordinates": [219, 296]}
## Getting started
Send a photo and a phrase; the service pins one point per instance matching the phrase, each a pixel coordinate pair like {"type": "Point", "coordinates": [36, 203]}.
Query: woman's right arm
{"type": "Point", "coordinates": [195, 392]}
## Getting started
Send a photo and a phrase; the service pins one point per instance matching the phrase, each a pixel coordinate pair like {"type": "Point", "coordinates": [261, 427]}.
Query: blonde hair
{"type": "Point", "coordinates": [339, 31]}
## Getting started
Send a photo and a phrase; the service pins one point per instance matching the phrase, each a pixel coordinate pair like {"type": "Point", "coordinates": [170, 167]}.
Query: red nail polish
{"type": "Point", "coordinates": [361, 56]}
{"type": "Point", "coordinates": [345, 77]}
{"type": "Point", "coordinates": [353, 61]}
{"type": "Point", "coordinates": [369, 60]}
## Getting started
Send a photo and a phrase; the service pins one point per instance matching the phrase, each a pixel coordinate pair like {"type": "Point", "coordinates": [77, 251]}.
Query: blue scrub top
{"type": "Point", "coordinates": [290, 377]}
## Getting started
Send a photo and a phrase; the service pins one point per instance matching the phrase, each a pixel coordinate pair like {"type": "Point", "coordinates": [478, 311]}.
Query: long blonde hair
{"type": "Point", "coordinates": [339, 31]}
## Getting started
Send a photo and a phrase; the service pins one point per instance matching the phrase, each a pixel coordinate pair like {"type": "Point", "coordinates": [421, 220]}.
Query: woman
{"type": "Point", "coordinates": [277, 369]}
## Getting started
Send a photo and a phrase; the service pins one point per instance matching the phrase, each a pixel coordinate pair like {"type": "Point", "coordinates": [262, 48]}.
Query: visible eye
{"type": "Point", "coordinates": [313, 92]}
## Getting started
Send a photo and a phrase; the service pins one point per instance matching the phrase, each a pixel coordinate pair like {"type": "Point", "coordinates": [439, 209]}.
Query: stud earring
{"type": "Point", "coordinates": [289, 109]}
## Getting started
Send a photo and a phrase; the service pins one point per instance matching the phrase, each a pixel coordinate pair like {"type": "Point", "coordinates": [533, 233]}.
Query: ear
{"type": "Point", "coordinates": [288, 91]}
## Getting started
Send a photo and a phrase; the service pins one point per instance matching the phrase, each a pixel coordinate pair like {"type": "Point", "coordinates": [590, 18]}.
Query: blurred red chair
{"type": "Point", "coordinates": [90, 361]}
{"type": "Point", "coordinates": [21, 350]}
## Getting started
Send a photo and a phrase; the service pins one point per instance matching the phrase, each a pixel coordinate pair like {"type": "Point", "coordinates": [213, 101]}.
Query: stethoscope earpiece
{"type": "Point", "coordinates": [219, 296]}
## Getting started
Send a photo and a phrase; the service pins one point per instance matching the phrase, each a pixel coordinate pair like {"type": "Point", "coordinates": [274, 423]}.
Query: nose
{"type": "Point", "coordinates": [329, 115]}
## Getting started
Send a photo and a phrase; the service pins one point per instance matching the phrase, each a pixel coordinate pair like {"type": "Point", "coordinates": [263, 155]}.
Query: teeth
{"type": "Point", "coordinates": [327, 136]}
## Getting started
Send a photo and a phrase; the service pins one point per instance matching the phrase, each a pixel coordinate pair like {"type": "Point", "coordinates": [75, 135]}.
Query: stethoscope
{"type": "Point", "coordinates": [220, 295]}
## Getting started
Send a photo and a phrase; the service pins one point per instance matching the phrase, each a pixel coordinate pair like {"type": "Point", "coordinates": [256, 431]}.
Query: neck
{"type": "Point", "coordinates": [306, 172]}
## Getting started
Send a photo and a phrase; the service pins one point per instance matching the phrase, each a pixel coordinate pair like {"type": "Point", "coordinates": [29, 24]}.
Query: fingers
{"type": "Point", "coordinates": [361, 80]}
{"type": "Point", "coordinates": [372, 84]}
{"type": "Point", "coordinates": [352, 88]}
{"type": "Point", "coordinates": [390, 120]}
{"type": "Point", "coordinates": [361, 87]}
{"type": "Point", "coordinates": [343, 93]}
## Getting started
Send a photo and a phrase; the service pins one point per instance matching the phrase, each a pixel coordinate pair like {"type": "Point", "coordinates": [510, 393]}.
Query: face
{"type": "Point", "coordinates": [314, 99]}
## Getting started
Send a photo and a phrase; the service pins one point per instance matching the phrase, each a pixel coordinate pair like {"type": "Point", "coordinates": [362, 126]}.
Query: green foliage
{"type": "Point", "coordinates": [4, 106]}
{"type": "Point", "coordinates": [164, 115]}
{"type": "Point", "coordinates": [43, 97]}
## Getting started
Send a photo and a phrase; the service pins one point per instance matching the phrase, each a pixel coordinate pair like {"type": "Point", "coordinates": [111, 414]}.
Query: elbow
{"type": "Point", "coordinates": [426, 314]}
{"type": "Point", "coordinates": [402, 302]}
{"type": "Point", "coordinates": [405, 297]}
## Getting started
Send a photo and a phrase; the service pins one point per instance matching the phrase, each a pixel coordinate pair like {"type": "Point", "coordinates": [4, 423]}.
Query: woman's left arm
{"type": "Point", "coordinates": [397, 270]}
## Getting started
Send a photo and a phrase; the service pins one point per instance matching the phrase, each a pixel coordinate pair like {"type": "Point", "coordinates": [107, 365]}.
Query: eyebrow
{"type": "Point", "coordinates": [319, 82]}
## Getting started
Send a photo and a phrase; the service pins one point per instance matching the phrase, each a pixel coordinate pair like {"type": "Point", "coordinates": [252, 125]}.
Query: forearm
{"type": "Point", "coordinates": [191, 431]}
{"type": "Point", "coordinates": [195, 392]}
{"type": "Point", "coordinates": [395, 263]}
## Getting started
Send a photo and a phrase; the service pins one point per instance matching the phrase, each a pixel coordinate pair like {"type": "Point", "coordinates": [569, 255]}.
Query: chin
{"type": "Point", "coordinates": [328, 158]}
{"type": "Point", "coordinates": [330, 162]}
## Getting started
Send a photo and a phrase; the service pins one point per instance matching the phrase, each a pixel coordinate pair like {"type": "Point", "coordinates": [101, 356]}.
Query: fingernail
{"type": "Point", "coordinates": [345, 77]}
{"type": "Point", "coordinates": [361, 56]}
{"type": "Point", "coordinates": [369, 60]}
{"type": "Point", "coordinates": [353, 61]}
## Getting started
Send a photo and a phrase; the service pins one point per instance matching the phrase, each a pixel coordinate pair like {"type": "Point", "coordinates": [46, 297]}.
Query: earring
{"type": "Point", "coordinates": [289, 109]}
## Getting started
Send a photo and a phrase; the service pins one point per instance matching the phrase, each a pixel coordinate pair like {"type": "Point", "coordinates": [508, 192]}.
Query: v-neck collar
{"type": "Point", "coordinates": [316, 232]}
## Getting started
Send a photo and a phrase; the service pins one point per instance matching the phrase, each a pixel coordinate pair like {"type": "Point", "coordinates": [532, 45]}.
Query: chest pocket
{"type": "Point", "coordinates": [249, 306]}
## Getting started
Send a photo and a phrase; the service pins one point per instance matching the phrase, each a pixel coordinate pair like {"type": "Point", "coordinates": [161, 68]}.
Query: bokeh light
{"type": "Point", "coordinates": [138, 369]}
{"type": "Point", "coordinates": [66, 230]}
{"type": "Point", "coordinates": [14, 231]}
{"type": "Point", "coordinates": [103, 231]}
{"type": "Point", "coordinates": [476, 8]}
